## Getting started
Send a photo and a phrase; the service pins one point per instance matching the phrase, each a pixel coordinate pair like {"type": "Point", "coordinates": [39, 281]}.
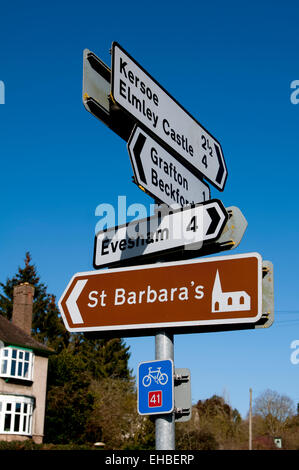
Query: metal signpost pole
{"type": "Point", "coordinates": [172, 155]}
{"type": "Point", "coordinates": [165, 424]}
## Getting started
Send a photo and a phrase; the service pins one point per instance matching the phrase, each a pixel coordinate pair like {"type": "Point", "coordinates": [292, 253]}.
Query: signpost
{"type": "Point", "coordinates": [218, 291]}
{"type": "Point", "coordinates": [136, 92]}
{"type": "Point", "coordinates": [161, 176]}
{"type": "Point", "coordinates": [155, 386]}
{"type": "Point", "coordinates": [171, 153]}
{"type": "Point", "coordinates": [160, 234]}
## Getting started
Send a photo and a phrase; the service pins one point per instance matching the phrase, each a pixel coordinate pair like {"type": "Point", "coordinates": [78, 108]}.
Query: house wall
{"type": "Point", "coordinates": [36, 389]}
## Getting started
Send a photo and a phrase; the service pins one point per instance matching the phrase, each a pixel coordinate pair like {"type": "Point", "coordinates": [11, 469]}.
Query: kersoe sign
{"type": "Point", "coordinates": [134, 90]}
{"type": "Point", "coordinates": [211, 291]}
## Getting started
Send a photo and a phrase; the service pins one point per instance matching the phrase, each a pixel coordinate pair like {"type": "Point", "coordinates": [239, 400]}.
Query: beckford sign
{"type": "Point", "coordinates": [161, 176]}
{"type": "Point", "coordinates": [135, 91]}
{"type": "Point", "coordinates": [211, 291]}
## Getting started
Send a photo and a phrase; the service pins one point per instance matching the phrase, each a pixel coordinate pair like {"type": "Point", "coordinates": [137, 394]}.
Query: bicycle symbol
{"type": "Point", "coordinates": [155, 375]}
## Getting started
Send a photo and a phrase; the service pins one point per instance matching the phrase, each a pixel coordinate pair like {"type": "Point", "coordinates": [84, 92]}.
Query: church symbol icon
{"type": "Point", "coordinates": [228, 301]}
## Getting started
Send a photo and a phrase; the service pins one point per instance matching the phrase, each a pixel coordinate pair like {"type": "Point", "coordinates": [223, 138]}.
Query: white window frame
{"type": "Point", "coordinates": [16, 413]}
{"type": "Point", "coordinates": [15, 362]}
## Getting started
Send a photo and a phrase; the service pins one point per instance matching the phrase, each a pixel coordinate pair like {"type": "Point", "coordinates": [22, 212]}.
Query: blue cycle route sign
{"type": "Point", "coordinates": [155, 387]}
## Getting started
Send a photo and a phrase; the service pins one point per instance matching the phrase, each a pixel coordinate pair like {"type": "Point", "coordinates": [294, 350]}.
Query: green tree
{"type": "Point", "coordinates": [275, 409]}
{"type": "Point", "coordinates": [215, 409]}
{"type": "Point", "coordinates": [103, 357]}
{"type": "Point", "coordinates": [80, 361]}
{"type": "Point", "coordinates": [114, 415]}
{"type": "Point", "coordinates": [69, 401]}
{"type": "Point", "coordinates": [74, 378]}
{"type": "Point", "coordinates": [115, 419]}
{"type": "Point", "coordinates": [47, 326]}
{"type": "Point", "coordinates": [218, 418]}
{"type": "Point", "coordinates": [191, 438]}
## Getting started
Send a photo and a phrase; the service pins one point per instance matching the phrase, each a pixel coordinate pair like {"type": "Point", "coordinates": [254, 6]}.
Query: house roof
{"type": "Point", "coordinates": [11, 334]}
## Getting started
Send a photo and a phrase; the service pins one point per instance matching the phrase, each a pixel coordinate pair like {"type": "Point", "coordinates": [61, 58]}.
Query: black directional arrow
{"type": "Point", "coordinates": [215, 218]}
{"type": "Point", "coordinates": [137, 149]}
{"type": "Point", "coordinates": [220, 172]}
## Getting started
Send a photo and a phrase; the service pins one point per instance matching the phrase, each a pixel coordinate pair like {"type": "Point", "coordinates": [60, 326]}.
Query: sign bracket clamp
{"type": "Point", "coordinates": [182, 411]}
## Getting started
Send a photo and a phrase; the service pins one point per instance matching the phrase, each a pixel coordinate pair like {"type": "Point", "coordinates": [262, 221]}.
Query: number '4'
{"type": "Point", "coordinates": [192, 224]}
{"type": "Point", "coordinates": [204, 161]}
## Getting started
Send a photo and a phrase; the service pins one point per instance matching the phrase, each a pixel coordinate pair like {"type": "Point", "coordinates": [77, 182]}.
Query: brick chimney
{"type": "Point", "coordinates": [22, 306]}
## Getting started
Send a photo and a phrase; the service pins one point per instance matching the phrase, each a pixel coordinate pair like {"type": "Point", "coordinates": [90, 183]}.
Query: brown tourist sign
{"type": "Point", "coordinates": [217, 291]}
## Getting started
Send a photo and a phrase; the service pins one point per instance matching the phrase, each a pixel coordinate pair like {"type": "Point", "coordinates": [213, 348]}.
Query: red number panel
{"type": "Point", "coordinates": [155, 399]}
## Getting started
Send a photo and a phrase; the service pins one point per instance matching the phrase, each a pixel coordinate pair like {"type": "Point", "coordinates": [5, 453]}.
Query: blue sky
{"type": "Point", "coordinates": [230, 64]}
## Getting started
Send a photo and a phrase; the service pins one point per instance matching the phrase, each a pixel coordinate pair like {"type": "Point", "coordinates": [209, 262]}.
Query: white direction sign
{"type": "Point", "coordinates": [160, 175]}
{"type": "Point", "coordinates": [188, 227]}
{"type": "Point", "coordinates": [135, 91]}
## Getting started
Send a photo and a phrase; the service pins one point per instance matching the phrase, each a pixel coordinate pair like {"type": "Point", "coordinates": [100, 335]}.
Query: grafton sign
{"type": "Point", "coordinates": [161, 176]}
